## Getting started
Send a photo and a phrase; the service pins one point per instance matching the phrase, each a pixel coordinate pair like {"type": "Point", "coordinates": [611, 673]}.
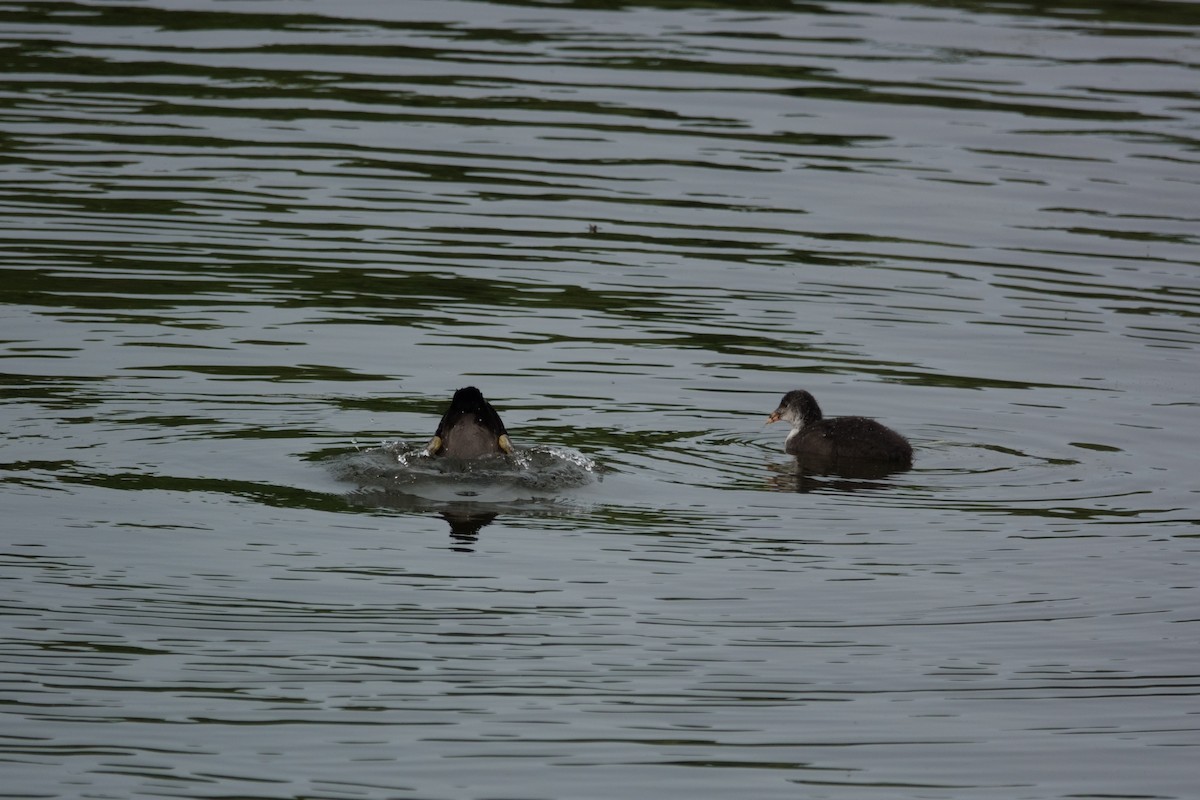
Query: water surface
{"type": "Point", "coordinates": [249, 249]}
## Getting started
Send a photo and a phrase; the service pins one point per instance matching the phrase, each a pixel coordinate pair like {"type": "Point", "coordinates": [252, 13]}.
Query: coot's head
{"type": "Point", "coordinates": [797, 407]}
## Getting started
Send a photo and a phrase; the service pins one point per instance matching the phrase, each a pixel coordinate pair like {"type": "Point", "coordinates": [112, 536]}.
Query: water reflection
{"type": "Point", "coordinates": [467, 494]}
{"type": "Point", "coordinates": [817, 475]}
{"type": "Point", "coordinates": [465, 523]}
{"type": "Point", "coordinates": [465, 518]}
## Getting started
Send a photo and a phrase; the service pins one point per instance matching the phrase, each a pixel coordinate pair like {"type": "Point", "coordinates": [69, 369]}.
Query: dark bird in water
{"type": "Point", "coordinates": [470, 428]}
{"type": "Point", "coordinates": [838, 439]}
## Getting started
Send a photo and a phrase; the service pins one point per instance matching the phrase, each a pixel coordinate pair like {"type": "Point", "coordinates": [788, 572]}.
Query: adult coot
{"type": "Point", "coordinates": [470, 428]}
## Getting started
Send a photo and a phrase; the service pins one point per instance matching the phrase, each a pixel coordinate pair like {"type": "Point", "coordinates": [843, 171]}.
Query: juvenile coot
{"type": "Point", "coordinates": [838, 439]}
{"type": "Point", "coordinates": [470, 428]}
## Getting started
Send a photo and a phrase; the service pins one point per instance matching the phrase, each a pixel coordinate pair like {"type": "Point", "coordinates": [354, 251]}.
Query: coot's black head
{"type": "Point", "coordinates": [797, 407]}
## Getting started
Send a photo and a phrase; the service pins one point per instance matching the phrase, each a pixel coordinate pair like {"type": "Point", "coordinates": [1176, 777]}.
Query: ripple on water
{"type": "Point", "coordinates": [396, 474]}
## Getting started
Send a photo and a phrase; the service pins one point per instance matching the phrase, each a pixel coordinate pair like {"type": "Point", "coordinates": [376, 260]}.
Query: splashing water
{"type": "Point", "coordinates": [398, 475]}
